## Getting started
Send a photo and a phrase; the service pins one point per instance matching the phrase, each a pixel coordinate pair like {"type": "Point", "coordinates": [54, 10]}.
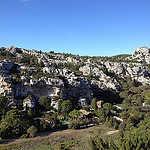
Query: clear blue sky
{"type": "Point", "coordinates": [84, 27]}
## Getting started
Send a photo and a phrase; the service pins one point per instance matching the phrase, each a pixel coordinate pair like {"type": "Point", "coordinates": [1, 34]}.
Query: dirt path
{"type": "Point", "coordinates": [112, 132]}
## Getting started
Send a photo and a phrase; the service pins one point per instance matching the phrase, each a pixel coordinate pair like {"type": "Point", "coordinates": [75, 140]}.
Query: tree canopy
{"type": "Point", "coordinates": [66, 107]}
{"type": "Point", "coordinates": [13, 124]}
{"type": "Point", "coordinates": [75, 113]}
{"type": "Point", "coordinates": [94, 103]}
{"type": "Point", "coordinates": [3, 105]}
{"type": "Point", "coordinates": [45, 102]}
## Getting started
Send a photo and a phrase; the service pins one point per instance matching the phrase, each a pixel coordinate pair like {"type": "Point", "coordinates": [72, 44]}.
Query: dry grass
{"type": "Point", "coordinates": [71, 139]}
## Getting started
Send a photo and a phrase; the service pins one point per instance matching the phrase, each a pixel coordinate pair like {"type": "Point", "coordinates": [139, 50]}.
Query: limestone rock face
{"type": "Point", "coordinates": [142, 50]}
{"type": "Point", "coordinates": [5, 66]}
{"type": "Point", "coordinates": [29, 102]}
{"type": "Point", "coordinates": [79, 76]}
{"type": "Point", "coordinates": [72, 60]}
{"type": "Point", "coordinates": [6, 87]}
{"type": "Point", "coordinates": [143, 80]}
{"type": "Point", "coordinates": [51, 70]}
{"type": "Point", "coordinates": [13, 49]}
{"type": "Point", "coordinates": [55, 103]}
{"type": "Point", "coordinates": [142, 54]}
{"type": "Point", "coordinates": [116, 68]}
{"type": "Point", "coordinates": [86, 69]}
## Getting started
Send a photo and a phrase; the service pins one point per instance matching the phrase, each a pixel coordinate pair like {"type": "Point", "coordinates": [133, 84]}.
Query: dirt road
{"type": "Point", "coordinates": [112, 132]}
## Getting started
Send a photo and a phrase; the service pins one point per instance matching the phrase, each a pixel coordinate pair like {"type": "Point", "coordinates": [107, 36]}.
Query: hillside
{"type": "Point", "coordinates": [73, 139]}
{"type": "Point", "coordinates": [52, 92]}
{"type": "Point", "coordinates": [24, 72]}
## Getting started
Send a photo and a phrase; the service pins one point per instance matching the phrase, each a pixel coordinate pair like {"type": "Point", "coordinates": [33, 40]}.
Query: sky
{"type": "Point", "coordinates": [83, 27]}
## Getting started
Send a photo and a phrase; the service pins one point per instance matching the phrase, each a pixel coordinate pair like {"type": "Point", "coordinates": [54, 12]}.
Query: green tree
{"type": "Point", "coordinates": [97, 143]}
{"type": "Point", "coordinates": [75, 113]}
{"type": "Point", "coordinates": [66, 107]}
{"type": "Point", "coordinates": [147, 97]}
{"type": "Point", "coordinates": [122, 126]}
{"type": "Point", "coordinates": [41, 64]}
{"type": "Point", "coordinates": [127, 102]}
{"type": "Point", "coordinates": [136, 100]}
{"type": "Point", "coordinates": [3, 105]}
{"type": "Point", "coordinates": [30, 112]}
{"type": "Point", "coordinates": [45, 101]}
{"type": "Point", "coordinates": [51, 52]}
{"type": "Point", "coordinates": [32, 131]}
{"type": "Point", "coordinates": [59, 106]}
{"type": "Point", "coordinates": [54, 65]}
{"type": "Point", "coordinates": [98, 112]}
{"type": "Point", "coordinates": [107, 106]}
{"type": "Point", "coordinates": [13, 124]}
{"type": "Point", "coordinates": [123, 94]}
{"type": "Point", "coordinates": [135, 90]}
{"type": "Point", "coordinates": [130, 124]}
{"type": "Point", "coordinates": [103, 117]}
{"type": "Point", "coordinates": [46, 126]}
{"type": "Point", "coordinates": [74, 124]}
{"type": "Point", "coordinates": [94, 103]}
{"type": "Point", "coordinates": [136, 138]}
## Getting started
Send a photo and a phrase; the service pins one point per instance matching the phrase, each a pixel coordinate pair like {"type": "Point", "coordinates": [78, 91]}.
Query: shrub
{"type": "Point", "coordinates": [32, 131]}
{"type": "Point", "coordinates": [74, 124]}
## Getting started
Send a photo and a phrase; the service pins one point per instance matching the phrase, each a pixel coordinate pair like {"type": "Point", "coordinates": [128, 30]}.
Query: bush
{"type": "Point", "coordinates": [46, 126]}
{"type": "Point", "coordinates": [32, 131]}
{"type": "Point", "coordinates": [107, 106]}
{"type": "Point", "coordinates": [45, 102]}
{"type": "Point", "coordinates": [74, 124]}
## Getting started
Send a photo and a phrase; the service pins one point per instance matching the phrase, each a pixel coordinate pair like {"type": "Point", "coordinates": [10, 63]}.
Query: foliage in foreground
{"type": "Point", "coordinates": [13, 124]}
{"type": "Point", "coordinates": [132, 139]}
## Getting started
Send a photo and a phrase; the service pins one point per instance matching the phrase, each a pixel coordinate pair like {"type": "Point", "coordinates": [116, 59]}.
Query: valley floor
{"type": "Point", "coordinates": [71, 139]}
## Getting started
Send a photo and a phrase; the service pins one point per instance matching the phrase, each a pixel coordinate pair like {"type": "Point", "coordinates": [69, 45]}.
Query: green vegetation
{"type": "Point", "coordinates": [13, 124]}
{"type": "Point", "coordinates": [32, 131]}
{"type": "Point", "coordinates": [7, 56]}
{"type": "Point", "coordinates": [3, 105]}
{"type": "Point", "coordinates": [75, 114]}
{"type": "Point", "coordinates": [132, 138]}
{"type": "Point", "coordinates": [45, 102]}
{"type": "Point", "coordinates": [117, 58]}
{"type": "Point", "coordinates": [71, 139]}
{"type": "Point", "coordinates": [66, 107]}
{"type": "Point", "coordinates": [94, 104]}
{"type": "Point", "coordinates": [131, 119]}
{"type": "Point", "coordinates": [135, 96]}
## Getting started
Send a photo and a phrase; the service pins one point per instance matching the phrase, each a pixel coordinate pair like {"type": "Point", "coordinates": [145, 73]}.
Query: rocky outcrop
{"type": "Point", "coordinates": [60, 72]}
{"type": "Point", "coordinates": [6, 87]}
{"type": "Point", "coordinates": [5, 66]}
{"type": "Point", "coordinates": [29, 102]}
{"type": "Point", "coordinates": [116, 68]}
{"type": "Point", "coordinates": [141, 51]}
{"type": "Point", "coordinates": [14, 50]}
{"type": "Point", "coordinates": [142, 54]}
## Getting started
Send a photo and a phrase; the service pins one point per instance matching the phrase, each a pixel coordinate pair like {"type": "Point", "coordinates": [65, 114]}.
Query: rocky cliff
{"type": "Point", "coordinates": [25, 72]}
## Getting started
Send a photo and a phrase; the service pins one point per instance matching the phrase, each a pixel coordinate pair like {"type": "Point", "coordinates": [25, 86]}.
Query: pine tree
{"type": "Point", "coordinates": [94, 103]}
